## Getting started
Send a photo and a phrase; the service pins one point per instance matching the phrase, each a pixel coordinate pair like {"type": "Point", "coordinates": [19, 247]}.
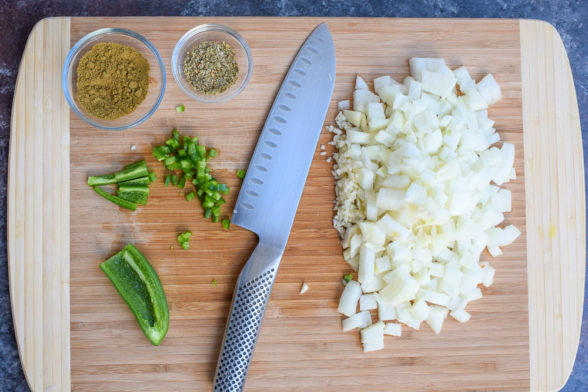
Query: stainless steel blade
{"type": "Point", "coordinates": [270, 194]}
{"type": "Point", "coordinates": [277, 172]}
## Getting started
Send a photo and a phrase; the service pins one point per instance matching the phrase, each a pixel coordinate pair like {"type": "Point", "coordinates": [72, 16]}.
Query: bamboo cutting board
{"type": "Point", "coordinates": [74, 331]}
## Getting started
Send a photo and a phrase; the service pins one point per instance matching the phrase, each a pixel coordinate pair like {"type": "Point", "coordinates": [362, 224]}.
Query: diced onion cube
{"type": "Point", "coordinates": [436, 318]}
{"type": "Point", "coordinates": [367, 302]}
{"type": "Point", "coordinates": [433, 297]}
{"type": "Point", "coordinates": [392, 228]}
{"type": "Point", "coordinates": [373, 285]}
{"type": "Point", "coordinates": [413, 323]}
{"type": "Point", "coordinates": [474, 100]}
{"type": "Point", "coordinates": [372, 337]}
{"type": "Point", "coordinates": [354, 117]}
{"type": "Point", "coordinates": [437, 270]}
{"type": "Point", "coordinates": [373, 346]}
{"type": "Point", "coordinates": [373, 333]}
{"type": "Point", "coordinates": [389, 199]}
{"type": "Point", "coordinates": [420, 64]}
{"type": "Point", "coordinates": [488, 275]}
{"type": "Point", "coordinates": [362, 97]}
{"type": "Point", "coordinates": [343, 105]}
{"type": "Point", "coordinates": [438, 83]}
{"type": "Point", "coordinates": [461, 315]}
{"type": "Point", "coordinates": [366, 178]}
{"type": "Point", "coordinates": [382, 81]}
{"type": "Point", "coordinates": [349, 298]}
{"type": "Point", "coordinates": [360, 84]}
{"type": "Point", "coordinates": [420, 310]}
{"type": "Point", "coordinates": [367, 264]}
{"type": "Point", "coordinates": [386, 311]}
{"type": "Point", "coordinates": [383, 264]}
{"type": "Point", "coordinates": [463, 78]}
{"type": "Point", "coordinates": [473, 295]}
{"type": "Point", "coordinates": [489, 89]}
{"type": "Point", "coordinates": [393, 329]}
{"type": "Point", "coordinates": [358, 320]}
{"type": "Point", "coordinates": [359, 137]}
{"type": "Point", "coordinates": [402, 289]}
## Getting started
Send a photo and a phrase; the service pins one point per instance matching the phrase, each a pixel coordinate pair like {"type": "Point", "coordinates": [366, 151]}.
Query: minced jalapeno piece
{"type": "Point", "coordinates": [185, 154]}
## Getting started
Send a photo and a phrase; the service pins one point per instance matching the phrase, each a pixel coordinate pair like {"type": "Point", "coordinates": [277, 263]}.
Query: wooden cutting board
{"type": "Point", "coordinates": [74, 331]}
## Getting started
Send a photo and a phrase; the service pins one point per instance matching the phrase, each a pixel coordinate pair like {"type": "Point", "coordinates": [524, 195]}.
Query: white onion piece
{"type": "Point", "coordinates": [386, 311]}
{"type": "Point", "coordinates": [353, 117]}
{"type": "Point", "coordinates": [420, 310]}
{"type": "Point", "coordinates": [367, 302]}
{"type": "Point", "coordinates": [358, 320]}
{"type": "Point", "coordinates": [464, 79]}
{"type": "Point", "coordinates": [343, 105]}
{"type": "Point", "coordinates": [393, 329]}
{"type": "Point", "coordinates": [372, 337]}
{"type": "Point", "coordinates": [438, 83]}
{"type": "Point", "coordinates": [436, 318]}
{"type": "Point", "coordinates": [360, 84]}
{"type": "Point", "coordinates": [489, 89]}
{"type": "Point", "coordinates": [461, 315]}
{"type": "Point", "coordinates": [382, 81]}
{"type": "Point", "coordinates": [373, 346]}
{"type": "Point", "coordinates": [349, 298]}
{"type": "Point", "coordinates": [418, 171]}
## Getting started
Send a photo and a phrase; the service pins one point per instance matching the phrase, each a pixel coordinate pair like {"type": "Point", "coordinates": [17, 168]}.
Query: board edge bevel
{"type": "Point", "coordinates": [554, 188]}
{"type": "Point", "coordinates": [54, 329]}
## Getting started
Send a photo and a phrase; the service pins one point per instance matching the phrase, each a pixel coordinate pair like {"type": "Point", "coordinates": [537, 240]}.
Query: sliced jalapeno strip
{"type": "Point", "coordinates": [139, 286]}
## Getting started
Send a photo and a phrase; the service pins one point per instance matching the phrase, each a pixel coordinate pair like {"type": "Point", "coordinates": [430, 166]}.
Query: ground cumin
{"type": "Point", "coordinates": [112, 80]}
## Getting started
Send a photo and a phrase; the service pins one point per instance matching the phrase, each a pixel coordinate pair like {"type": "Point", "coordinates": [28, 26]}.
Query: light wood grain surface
{"type": "Point", "coordinates": [555, 205]}
{"type": "Point", "coordinates": [301, 344]}
{"type": "Point", "coordinates": [38, 210]}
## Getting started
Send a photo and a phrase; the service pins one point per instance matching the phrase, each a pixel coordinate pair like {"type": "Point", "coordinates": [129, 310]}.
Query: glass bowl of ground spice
{"type": "Point", "coordinates": [212, 63]}
{"type": "Point", "coordinates": [113, 79]}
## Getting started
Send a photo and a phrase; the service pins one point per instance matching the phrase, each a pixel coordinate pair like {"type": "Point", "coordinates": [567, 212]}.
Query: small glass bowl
{"type": "Point", "coordinates": [219, 33]}
{"type": "Point", "coordinates": [69, 77]}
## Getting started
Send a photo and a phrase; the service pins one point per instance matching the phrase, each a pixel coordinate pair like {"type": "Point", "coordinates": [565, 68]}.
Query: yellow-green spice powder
{"type": "Point", "coordinates": [211, 67]}
{"type": "Point", "coordinates": [113, 80]}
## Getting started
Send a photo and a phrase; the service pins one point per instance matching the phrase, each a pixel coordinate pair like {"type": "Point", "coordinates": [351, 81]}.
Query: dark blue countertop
{"type": "Point", "coordinates": [17, 18]}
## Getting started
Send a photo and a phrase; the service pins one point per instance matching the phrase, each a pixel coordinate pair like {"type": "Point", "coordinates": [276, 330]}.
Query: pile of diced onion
{"type": "Point", "coordinates": [418, 171]}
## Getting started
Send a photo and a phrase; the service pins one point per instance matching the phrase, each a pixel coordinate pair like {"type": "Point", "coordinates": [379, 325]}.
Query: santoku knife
{"type": "Point", "coordinates": [270, 194]}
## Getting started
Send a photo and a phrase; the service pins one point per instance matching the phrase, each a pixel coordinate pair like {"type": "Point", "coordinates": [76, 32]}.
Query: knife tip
{"type": "Point", "coordinates": [322, 25]}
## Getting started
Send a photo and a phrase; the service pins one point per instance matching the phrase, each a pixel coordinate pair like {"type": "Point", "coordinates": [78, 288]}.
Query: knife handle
{"type": "Point", "coordinates": [249, 303]}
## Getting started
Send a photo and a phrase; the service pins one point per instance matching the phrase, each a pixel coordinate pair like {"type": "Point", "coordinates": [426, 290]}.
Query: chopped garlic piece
{"type": "Point", "coordinates": [304, 288]}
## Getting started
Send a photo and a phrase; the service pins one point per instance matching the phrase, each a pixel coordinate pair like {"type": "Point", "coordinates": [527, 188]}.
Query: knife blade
{"type": "Point", "coordinates": [270, 194]}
